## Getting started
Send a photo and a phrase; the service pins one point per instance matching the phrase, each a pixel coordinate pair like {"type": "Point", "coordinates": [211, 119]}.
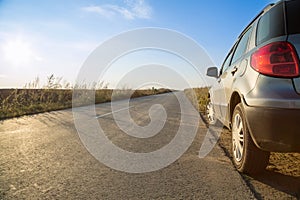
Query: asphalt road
{"type": "Point", "coordinates": [42, 157]}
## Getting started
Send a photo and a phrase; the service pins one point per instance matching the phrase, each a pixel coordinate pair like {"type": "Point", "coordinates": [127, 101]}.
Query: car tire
{"type": "Point", "coordinates": [247, 158]}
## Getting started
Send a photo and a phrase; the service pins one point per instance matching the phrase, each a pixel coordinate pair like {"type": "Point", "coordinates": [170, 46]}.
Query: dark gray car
{"type": "Point", "coordinates": [257, 92]}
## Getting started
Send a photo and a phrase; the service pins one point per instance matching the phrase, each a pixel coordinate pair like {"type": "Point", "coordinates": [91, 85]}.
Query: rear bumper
{"type": "Point", "coordinates": [274, 129]}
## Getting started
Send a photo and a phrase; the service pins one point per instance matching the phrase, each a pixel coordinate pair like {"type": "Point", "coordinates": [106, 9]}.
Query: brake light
{"type": "Point", "coordinates": [278, 59]}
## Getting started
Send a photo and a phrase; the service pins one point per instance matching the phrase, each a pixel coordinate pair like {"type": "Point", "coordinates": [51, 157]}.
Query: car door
{"type": "Point", "coordinates": [218, 95]}
{"type": "Point", "coordinates": [230, 73]}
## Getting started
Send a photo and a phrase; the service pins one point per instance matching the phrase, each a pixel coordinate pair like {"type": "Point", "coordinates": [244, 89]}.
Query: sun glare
{"type": "Point", "coordinates": [18, 52]}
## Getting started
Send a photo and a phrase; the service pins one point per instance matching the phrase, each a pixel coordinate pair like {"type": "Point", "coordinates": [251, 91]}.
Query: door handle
{"type": "Point", "coordinates": [234, 70]}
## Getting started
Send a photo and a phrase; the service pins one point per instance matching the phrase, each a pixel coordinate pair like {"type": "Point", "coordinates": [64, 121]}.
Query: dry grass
{"type": "Point", "coordinates": [198, 97]}
{"type": "Point", "coordinates": [18, 102]}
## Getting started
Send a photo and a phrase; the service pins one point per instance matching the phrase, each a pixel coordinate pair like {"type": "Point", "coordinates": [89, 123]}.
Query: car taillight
{"type": "Point", "coordinates": [277, 59]}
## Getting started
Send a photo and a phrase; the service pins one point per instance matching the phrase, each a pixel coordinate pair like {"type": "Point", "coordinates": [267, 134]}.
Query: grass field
{"type": "Point", "coordinates": [57, 94]}
{"type": "Point", "coordinates": [18, 102]}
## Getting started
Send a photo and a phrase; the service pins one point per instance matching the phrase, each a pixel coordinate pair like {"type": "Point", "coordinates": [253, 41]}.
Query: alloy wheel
{"type": "Point", "coordinates": [238, 137]}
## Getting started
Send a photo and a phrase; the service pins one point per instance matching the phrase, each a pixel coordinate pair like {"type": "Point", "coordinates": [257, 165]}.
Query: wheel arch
{"type": "Point", "coordinates": [234, 100]}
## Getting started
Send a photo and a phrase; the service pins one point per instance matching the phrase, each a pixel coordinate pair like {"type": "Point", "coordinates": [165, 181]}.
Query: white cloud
{"type": "Point", "coordinates": [140, 8]}
{"type": "Point", "coordinates": [99, 10]}
{"type": "Point", "coordinates": [127, 14]}
{"type": "Point", "coordinates": [132, 9]}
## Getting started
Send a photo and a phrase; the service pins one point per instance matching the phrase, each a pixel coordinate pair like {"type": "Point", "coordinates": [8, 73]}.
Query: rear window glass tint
{"type": "Point", "coordinates": [271, 24]}
{"type": "Point", "coordinates": [293, 16]}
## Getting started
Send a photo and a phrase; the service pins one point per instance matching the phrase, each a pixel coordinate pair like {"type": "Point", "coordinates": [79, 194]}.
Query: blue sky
{"type": "Point", "coordinates": [39, 38]}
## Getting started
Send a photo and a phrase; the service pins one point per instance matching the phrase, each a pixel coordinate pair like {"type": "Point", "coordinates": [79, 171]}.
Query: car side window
{"type": "Point", "coordinates": [242, 46]}
{"type": "Point", "coordinates": [226, 62]}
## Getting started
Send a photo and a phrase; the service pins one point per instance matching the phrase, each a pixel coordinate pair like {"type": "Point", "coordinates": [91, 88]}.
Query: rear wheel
{"type": "Point", "coordinates": [247, 157]}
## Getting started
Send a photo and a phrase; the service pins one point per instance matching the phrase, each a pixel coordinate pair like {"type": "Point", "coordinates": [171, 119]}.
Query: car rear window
{"type": "Point", "coordinates": [271, 24]}
{"type": "Point", "coordinates": [293, 16]}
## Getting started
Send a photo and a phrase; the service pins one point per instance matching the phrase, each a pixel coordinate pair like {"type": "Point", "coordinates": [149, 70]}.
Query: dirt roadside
{"type": "Point", "coordinates": [282, 175]}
